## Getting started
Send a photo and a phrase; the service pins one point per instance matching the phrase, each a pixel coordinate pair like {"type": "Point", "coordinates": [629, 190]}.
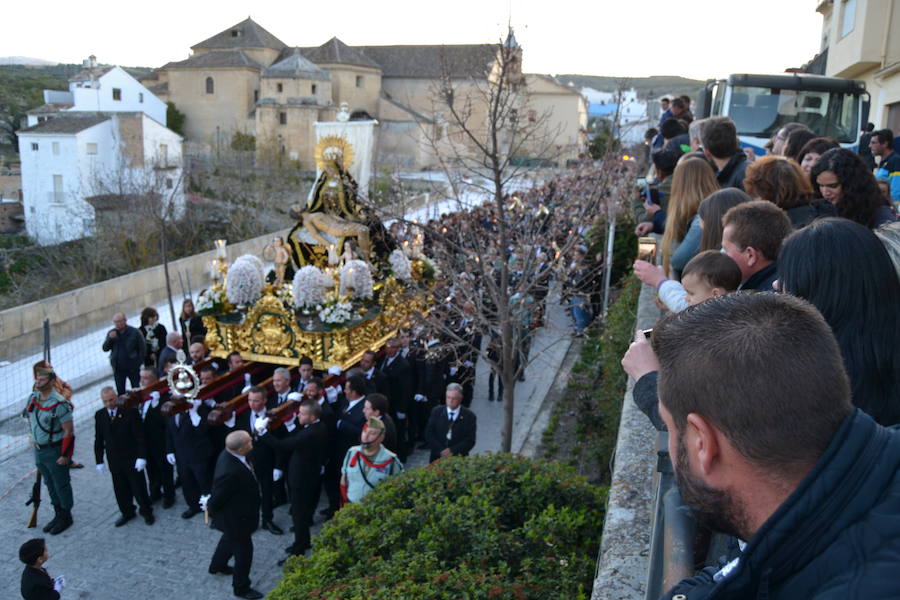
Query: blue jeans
{"type": "Point", "coordinates": [581, 312]}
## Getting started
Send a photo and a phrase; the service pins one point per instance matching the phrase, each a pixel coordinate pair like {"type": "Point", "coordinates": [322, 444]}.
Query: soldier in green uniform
{"type": "Point", "coordinates": [50, 418]}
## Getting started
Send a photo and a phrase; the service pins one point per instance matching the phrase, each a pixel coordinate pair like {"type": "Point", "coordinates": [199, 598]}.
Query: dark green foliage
{"type": "Point", "coordinates": [174, 118]}
{"type": "Point", "coordinates": [490, 526]}
{"type": "Point", "coordinates": [243, 142]}
{"type": "Point", "coordinates": [624, 244]}
{"type": "Point", "coordinates": [602, 143]}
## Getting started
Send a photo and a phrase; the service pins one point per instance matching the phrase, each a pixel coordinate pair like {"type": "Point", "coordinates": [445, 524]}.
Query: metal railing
{"type": "Point", "coordinates": [673, 530]}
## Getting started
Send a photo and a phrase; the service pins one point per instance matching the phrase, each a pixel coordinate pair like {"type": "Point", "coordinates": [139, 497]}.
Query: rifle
{"type": "Point", "coordinates": [35, 500]}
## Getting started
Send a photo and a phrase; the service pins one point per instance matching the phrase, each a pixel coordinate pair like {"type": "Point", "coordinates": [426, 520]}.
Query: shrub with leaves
{"type": "Point", "coordinates": [491, 526]}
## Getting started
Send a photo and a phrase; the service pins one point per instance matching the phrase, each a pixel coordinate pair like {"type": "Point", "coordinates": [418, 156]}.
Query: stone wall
{"type": "Point", "coordinates": [21, 328]}
{"type": "Point", "coordinates": [625, 548]}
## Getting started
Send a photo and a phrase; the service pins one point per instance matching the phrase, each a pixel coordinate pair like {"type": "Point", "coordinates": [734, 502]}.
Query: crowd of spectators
{"type": "Point", "coordinates": [775, 368]}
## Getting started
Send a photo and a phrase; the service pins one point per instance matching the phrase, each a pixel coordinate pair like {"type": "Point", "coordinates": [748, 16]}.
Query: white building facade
{"type": "Point", "coordinates": [73, 153]}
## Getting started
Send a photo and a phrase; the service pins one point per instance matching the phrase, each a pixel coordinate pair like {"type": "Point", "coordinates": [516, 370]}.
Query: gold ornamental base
{"type": "Point", "coordinates": [271, 333]}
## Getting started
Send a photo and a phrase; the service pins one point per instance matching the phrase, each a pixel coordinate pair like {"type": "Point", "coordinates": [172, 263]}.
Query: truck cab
{"type": "Point", "coordinates": [760, 105]}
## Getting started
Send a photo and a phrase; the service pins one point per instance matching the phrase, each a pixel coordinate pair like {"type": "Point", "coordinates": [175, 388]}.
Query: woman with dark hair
{"type": "Point", "coordinates": [844, 271]}
{"type": "Point", "coordinates": [711, 211]}
{"type": "Point", "coordinates": [191, 323]}
{"type": "Point", "coordinates": [795, 142]}
{"type": "Point", "coordinates": [842, 178]}
{"type": "Point", "coordinates": [782, 182]}
{"type": "Point", "coordinates": [154, 334]}
{"type": "Point", "coordinates": [813, 150]}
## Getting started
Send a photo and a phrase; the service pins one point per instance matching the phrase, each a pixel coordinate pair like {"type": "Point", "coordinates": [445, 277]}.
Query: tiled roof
{"type": "Point", "coordinates": [431, 62]}
{"type": "Point", "coordinates": [295, 66]}
{"type": "Point", "coordinates": [95, 72]}
{"type": "Point", "coordinates": [159, 88]}
{"type": "Point", "coordinates": [334, 51]}
{"type": "Point", "coordinates": [49, 108]}
{"type": "Point", "coordinates": [65, 124]}
{"type": "Point", "coordinates": [216, 58]}
{"type": "Point", "coordinates": [246, 34]}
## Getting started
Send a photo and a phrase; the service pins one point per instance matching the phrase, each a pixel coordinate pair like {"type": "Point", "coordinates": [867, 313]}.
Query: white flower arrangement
{"type": "Point", "coordinates": [211, 301]}
{"type": "Point", "coordinates": [309, 287]}
{"type": "Point", "coordinates": [285, 293]}
{"type": "Point", "coordinates": [256, 261]}
{"type": "Point", "coordinates": [356, 279]}
{"type": "Point", "coordinates": [336, 312]}
{"type": "Point", "coordinates": [431, 270]}
{"type": "Point", "coordinates": [400, 265]}
{"type": "Point", "coordinates": [245, 281]}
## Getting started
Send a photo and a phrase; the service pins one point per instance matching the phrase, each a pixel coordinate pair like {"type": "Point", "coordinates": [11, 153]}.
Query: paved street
{"type": "Point", "coordinates": [169, 559]}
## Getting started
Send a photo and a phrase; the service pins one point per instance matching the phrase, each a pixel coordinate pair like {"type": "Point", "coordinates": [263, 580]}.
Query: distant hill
{"type": "Point", "coordinates": [646, 87]}
{"type": "Point", "coordinates": [25, 60]}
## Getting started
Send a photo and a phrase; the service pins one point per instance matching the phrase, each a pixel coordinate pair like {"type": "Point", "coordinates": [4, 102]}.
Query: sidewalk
{"type": "Point", "coordinates": [169, 559]}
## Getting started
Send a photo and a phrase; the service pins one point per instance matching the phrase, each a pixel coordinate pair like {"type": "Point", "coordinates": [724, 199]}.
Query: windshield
{"type": "Point", "coordinates": [761, 112]}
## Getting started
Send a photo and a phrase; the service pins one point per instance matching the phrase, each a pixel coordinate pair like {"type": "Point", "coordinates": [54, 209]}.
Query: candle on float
{"type": "Point", "coordinates": [221, 249]}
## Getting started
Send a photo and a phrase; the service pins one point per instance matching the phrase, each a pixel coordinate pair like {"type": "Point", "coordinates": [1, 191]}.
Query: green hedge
{"type": "Point", "coordinates": [492, 526]}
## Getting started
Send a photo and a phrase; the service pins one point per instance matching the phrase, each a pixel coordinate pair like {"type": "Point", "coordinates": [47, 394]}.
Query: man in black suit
{"type": "Point", "coordinates": [468, 340]}
{"type": "Point", "coordinates": [451, 428]}
{"type": "Point", "coordinates": [307, 453]}
{"type": "Point", "coordinates": [263, 456]}
{"type": "Point", "coordinates": [349, 426]}
{"type": "Point", "coordinates": [375, 379]}
{"type": "Point", "coordinates": [431, 364]}
{"type": "Point", "coordinates": [315, 392]}
{"type": "Point", "coordinates": [119, 433]}
{"type": "Point", "coordinates": [127, 349]}
{"type": "Point", "coordinates": [305, 371]}
{"type": "Point", "coordinates": [281, 389]}
{"type": "Point", "coordinates": [189, 449]}
{"type": "Point", "coordinates": [400, 386]}
{"type": "Point", "coordinates": [160, 475]}
{"type": "Point", "coordinates": [233, 505]}
{"type": "Point", "coordinates": [174, 343]}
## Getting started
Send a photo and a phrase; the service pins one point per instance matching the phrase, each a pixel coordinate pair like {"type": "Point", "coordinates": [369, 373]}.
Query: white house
{"type": "Point", "coordinates": [99, 89]}
{"type": "Point", "coordinates": [88, 153]}
{"type": "Point", "coordinates": [633, 113]}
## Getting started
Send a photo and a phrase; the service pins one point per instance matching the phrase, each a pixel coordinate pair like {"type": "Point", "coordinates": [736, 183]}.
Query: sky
{"type": "Point", "coordinates": [701, 39]}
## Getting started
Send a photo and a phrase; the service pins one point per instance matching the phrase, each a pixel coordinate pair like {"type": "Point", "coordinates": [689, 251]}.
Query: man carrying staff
{"type": "Point", "coordinates": [49, 416]}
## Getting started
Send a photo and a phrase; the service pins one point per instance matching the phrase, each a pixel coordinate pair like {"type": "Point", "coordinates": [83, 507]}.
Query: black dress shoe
{"type": "Point", "coordinates": [149, 519]}
{"type": "Point", "coordinates": [272, 528]}
{"type": "Point", "coordinates": [226, 570]}
{"type": "Point", "coordinates": [289, 549]}
{"type": "Point", "coordinates": [168, 502]}
{"type": "Point", "coordinates": [190, 513]}
{"type": "Point", "coordinates": [249, 594]}
{"type": "Point", "coordinates": [124, 519]}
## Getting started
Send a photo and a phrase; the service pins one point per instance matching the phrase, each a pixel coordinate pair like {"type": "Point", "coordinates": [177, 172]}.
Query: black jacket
{"type": "Point", "coordinates": [349, 427]}
{"type": "Point", "coordinates": [164, 355]}
{"type": "Point", "coordinates": [135, 350]}
{"type": "Point", "coordinates": [37, 585]}
{"type": "Point", "coordinates": [803, 215]}
{"type": "Point", "coordinates": [234, 499]}
{"type": "Point", "coordinates": [189, 444]}
{"type": "Point", "coordinates": [153, 344]}
{"type": "Point", "coordinates": [762, 280]}
{"type": "Point", "coordinates": [121, 437]}
{"type": "Point", "coordinates": [262, 456]}
{"type": "Point", "coordinates": [306, 446]}
{"type": "Point", "coordinates": [154, 426]}
{"type": "Point", "coordinates": [462, 439]}
{"type": "Point", "coordinates": [400, 383]}
{"type": "Point", "coordinates": [836, 536]}
{"type": "Point", "coordinates": [732, 174]}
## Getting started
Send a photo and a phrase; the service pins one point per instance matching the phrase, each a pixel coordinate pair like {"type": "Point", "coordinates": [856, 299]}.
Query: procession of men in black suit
{"type": "Point", "coordinates": [241, 471]}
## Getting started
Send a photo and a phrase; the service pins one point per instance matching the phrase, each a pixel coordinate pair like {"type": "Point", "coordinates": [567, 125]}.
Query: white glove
{"type": "Point", "coordinates": [101, 467]}
{"type": "Point", "coordinates": [246, 389]}
{"type": "Point", "coordinates": [231, 421]}
{"type": "Point", "coordinates": [277, 474]}
{"type": "Point", "coordinates": [295, 396]}
{"type": "Point", "coordinates": [453, 370]}
{"type": "Point", "coordinates": [154, 399]}
{"type": "Point", "coordinates": [261, 424]}
{"type": "Point", "coordinates": [468, 363]}
{"type": "Point", "coordinates": [210, 402]}
{"type": "Point", "coordinates": [203, 500]}
{"type": "Point", "coordinates": [331, 394]}
{"type": "Point", "coordinates": [139, 464]}
{"type": "Point", "coordinates": [420, 398]}
{"type": "Point", "coordinates": [290, 425]}
{"type": "Point", "coordinates": [59, 583]}
{"type": "Point", "coordinates": [195, 404]}
{"type": "Point", "coordinates": [170, 458]}
{"type": "Point", "coordinates": [247, 379]}
{"type": "Point", "coordinates": [401, 416]}
{"type": "Point", "coordinates": [193, 414]}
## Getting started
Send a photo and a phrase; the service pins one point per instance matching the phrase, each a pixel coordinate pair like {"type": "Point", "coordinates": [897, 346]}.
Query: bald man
{"type": "Point", "coordinates": [233, 505]}
{"type": "Point", "coordinates": [127, 349]}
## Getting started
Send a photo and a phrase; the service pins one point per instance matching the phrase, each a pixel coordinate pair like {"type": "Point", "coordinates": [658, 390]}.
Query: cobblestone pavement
{"type": "Point", "coordinates": [169, 559]}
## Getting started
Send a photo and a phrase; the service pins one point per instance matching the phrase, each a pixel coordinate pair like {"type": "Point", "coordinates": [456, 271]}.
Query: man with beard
{"type": "Point", "coordinates": [768, 448]}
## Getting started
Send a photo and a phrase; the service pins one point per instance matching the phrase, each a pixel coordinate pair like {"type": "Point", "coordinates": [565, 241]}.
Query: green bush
{"type": "Point", "coordinates": [489, 526]}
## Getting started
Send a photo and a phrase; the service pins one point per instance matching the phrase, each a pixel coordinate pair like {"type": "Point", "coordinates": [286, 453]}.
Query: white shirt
{"type": "Point", "coordinates": [452, 415]}
{"type": "Point", "coordinates": [112, 413]}
{"type": "Point", "coordinates": [369, 373]}
{"type": "Point", "coordinates": [354, 403]}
